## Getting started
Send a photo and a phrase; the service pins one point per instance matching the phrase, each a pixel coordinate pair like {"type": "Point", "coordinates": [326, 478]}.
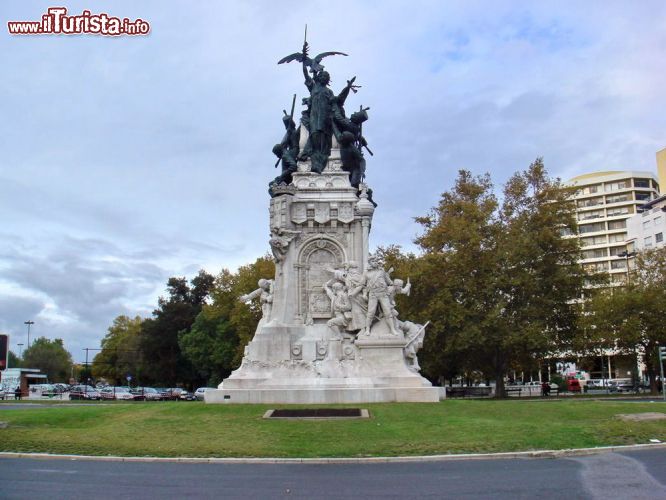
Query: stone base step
{"type": "Point", "coordinates": [324, 395]}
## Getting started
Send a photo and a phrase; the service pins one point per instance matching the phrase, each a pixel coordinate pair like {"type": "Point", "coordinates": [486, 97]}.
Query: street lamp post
{"type": "Point", "coordinates": [28, 323]}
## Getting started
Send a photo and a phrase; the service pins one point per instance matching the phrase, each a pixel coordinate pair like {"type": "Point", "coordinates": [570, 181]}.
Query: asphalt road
{"type": "Point", "coordinates": [639, 475]}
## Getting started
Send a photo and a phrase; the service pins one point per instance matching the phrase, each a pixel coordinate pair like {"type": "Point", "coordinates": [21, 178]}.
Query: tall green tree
{"type": "Point", "coordinates": [163, 361]}
{"type": "Point", "coordinates": [497, 279]}
{"type": "Point", "coordinates": [120, 355]}
{"type": "Point", "coordinates": [214, 345]}
{"type": "Point", "coordinates": [630, 319]}
{"type": "Point", "coordinates": [13, 361]}
{"type": "Point", "coordinates": [51, 357]}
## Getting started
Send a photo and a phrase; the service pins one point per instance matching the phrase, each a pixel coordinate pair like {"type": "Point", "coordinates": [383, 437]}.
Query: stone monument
{"type": "Point", "coordinates": [330, 331]}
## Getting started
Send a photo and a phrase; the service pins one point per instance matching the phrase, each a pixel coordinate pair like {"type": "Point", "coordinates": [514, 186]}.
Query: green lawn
{"type": "Point", "coordinates": [197, 430]}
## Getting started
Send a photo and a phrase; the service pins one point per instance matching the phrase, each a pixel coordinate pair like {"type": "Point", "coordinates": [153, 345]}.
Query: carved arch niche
{"type": "Point", "coordinates": [315, 256]}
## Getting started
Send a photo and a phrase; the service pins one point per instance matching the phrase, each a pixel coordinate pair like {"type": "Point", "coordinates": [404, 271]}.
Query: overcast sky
{"type": "Point", "coordinates": [129, 160]}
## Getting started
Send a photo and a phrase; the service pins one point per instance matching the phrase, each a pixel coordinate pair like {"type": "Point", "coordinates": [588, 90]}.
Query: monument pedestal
{"type": "Point", "coordinates": [300, 365]}
{"type": "Point", "coordinates": [311, 346]}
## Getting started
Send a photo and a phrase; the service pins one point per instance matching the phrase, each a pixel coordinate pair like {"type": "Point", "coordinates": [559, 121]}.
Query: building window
{"type": "Point", "coordinates": [657, 220]}
{"type": "Point", "coordinates": [617, 198]}
{"type": "Point", "coordinates": [596, 267]}
{"type": "Point", "coordinates": [592, 214]}
{"type": "Point", "coordinates": [595, 254]}
{"type": "Point", "coordinates": [617, 224]}
{"type": "Point", "coordinates": [646, 224]}
{"type": "Point", "coordinates": [593, 240]}
{"type": "Point", "coordinates": [642, 183]}
{"type": "Point", "coordinates": [659, 237]}
{"type": "Point", "coordinates": [616, 238]}
{"type": "Point", "coordinates": [642, 196]}
{"type": "Point", "coordinates": [612, 212]}
{"type": "Point", "coordinates": [591, 228]}
{"type": "Point", "coordinates": [615, 186]}
{"type": "Point", "coordinates": [614, 251]}
{"type": "Point", "coordinates": [618, 264]}
{"type": "Point", "coordinates": [591, 202]}
{"type": "Point", "coordinates": [648, 242]}
{"type": "Point", "coordinates": [619, 278]}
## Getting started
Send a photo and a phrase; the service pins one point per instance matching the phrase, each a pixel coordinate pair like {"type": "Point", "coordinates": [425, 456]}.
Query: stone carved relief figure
{"type": "Point", "coordinates": [340, 306]}
{"type": "Point", "coordinates": [359, 301]}
{"type": "Point", "coordinates": [376, 283]}
{"type": "Point", "coordinates": [279, 242]}
{"type": "Point", "coordinates": [352, 280]}
{"type": "Point", "coordinates": [398, 288]}
{"type": "Point", "coordinates": [414, 334]}
{"type": "Point", "coordinates": [265, 294]}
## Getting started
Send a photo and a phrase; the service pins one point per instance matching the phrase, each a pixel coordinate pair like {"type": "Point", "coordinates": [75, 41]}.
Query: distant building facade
{"type": "Point", "coordinates": [646, 229]}
{"type": "Point", "coordinates": [661, 169]}
{"type": "Point", "coordinates": [605, 201]}
{"type": "Point", "coordinates": [11, 378]}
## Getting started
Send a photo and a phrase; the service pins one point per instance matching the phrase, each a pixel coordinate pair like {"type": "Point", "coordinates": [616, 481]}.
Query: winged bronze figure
{"type": "Point", "coordinates": [314, 64]}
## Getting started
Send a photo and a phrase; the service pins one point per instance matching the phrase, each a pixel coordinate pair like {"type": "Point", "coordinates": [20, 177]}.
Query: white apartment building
{"type": "Point", "coordinates": [646, 229]}
{"type": "Point", "coordinates": [605, 201]}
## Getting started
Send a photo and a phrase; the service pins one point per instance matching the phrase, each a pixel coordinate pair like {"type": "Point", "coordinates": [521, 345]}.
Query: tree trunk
{"type": "Point", "coordinates": [499, 384]}
{"type": "Point", "coordinates": [651, 372]}
{"type": "Point", "coordinates": [500, 369]}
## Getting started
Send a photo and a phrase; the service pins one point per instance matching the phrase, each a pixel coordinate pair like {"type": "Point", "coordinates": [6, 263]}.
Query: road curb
{"type": "Point", "coordinates": [536, 454]}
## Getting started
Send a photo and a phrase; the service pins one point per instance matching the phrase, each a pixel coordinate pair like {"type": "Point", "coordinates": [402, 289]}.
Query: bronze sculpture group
{"type": "Point", "coordinates": [323, 118]}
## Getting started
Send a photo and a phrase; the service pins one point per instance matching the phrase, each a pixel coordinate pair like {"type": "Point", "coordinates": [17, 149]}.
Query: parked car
{"type": "Point", "coordinates": [118, 393]}
{"type": "Point", "coordinates": [61, 388]}
{"type": "Point", "coordinates": [124, 393]}
{"type": "Point", "coordinates": [43, 390]}
{"type": "Point", "coordinates": [84, 392]}
{"type": "Point", "coordinates": [146, 394]}
{"type": "Point", "coordinates": [170, 393]}
{"type": "Point", "coordinates": [186, 396]}
{"type": "Point", "coordinates": [165, 393]}
{"type": "Point", "coordinates": [175, 393]}
{"type": "Point", "coordinates": [106, 393]}
{"type": "Point", "coordinates": [199, 393]}
{"type": "Point", "coordinates": [622, 386]}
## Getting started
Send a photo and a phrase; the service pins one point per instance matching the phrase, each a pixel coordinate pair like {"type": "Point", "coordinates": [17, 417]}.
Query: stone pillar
{"type": "Point", "coordinates": [365, 223]}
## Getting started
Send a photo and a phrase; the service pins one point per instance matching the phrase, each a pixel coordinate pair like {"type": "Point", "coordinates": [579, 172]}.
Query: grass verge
{"type": "Point", "coordinates": [182, 429]}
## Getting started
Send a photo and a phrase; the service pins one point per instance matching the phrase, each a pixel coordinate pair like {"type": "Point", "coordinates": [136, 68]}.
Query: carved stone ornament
{"type": "Point", "coordinates": [317, 255]}
{"type": "Point", "coordinates": [346, 212]}
{"type": "Point", "coordinates": [322, 181]}
{"type": "Point", "coordinates": [298, 213]}
{"type": "Point", "coordinates": [322, 213]}
{"type": "Point", "coordinates": [277, 190]}
{"type": "Point", "coordinates": [322, 349]}
{"type": "Point", "coordinates": [348, 351]}
{"type": "Point", "coordinates": [296, 351]}
{"type": "Point", "coordinates": [333, 165]}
